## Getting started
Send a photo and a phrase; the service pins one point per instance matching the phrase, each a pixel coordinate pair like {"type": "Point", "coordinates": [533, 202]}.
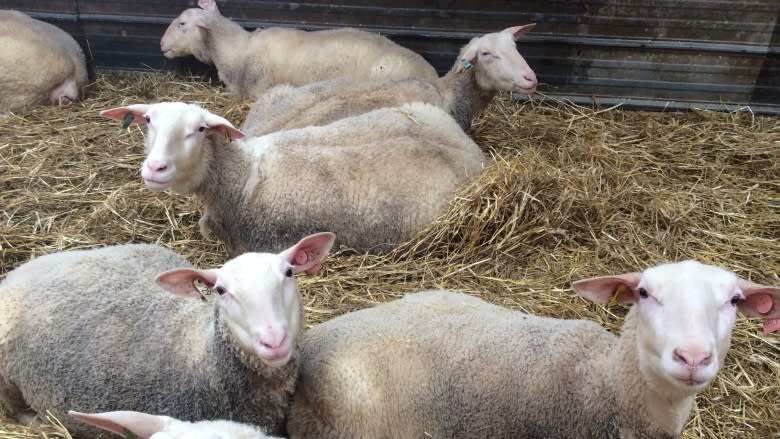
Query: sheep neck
{"type": "Point", "coordinates": [227, 44]}
{"type": "Point", "coordinates": [225, 167]}
{"type": "Point", "coordinates": [265, 391]}
{"type": "Point", "coordinates": [461, 95]}
{"type": "Point", "coordinates": [650, 412]}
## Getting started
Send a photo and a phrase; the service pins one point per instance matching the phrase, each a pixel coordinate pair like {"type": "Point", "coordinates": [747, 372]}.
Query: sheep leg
{"type": "Point", "coordinates": [12, 401]}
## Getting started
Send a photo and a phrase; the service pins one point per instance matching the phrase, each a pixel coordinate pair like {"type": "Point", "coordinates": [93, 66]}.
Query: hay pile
{"type": "Point", "coordinates": [573, 193]}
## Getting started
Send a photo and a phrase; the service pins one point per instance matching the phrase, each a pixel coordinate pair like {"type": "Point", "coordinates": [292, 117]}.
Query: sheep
{"type": "Point", "coordinates": [89, 329]}
{"type": "Point", "coordinates": [447, 365]}
{"type": "Point", "coordinates": [373, 179]}
{"type": "Point", "coordinates": [485, 66]}
{"type": "Point", "coordinates": [39, 64]}
{"type": "Point", "coordinates": [145, 426]}
{"type": "Point", "coordinates": [251, 62]}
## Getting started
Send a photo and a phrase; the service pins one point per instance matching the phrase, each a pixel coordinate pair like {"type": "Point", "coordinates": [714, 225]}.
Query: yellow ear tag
{"type": "Point", "coordinates": [618, 291]}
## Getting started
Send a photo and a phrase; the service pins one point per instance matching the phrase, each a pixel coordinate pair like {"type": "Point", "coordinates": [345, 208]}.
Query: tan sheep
{"type": "Point", "coordinates": [485, 66]}
{"type": "Point", "coordinates": [39, 64]}
{"type": "Point", "coordinates": [251, 62]}
{"type": "Point", "coordinates": [127, 327]}
{"type": "Point", "coordinates": [374, 179]}
{"type": "Point", "coordinates": [447, 365]}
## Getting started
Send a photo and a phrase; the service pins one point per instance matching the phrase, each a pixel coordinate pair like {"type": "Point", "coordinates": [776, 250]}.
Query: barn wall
{"type": "Point", "coordinates": [650, 53]}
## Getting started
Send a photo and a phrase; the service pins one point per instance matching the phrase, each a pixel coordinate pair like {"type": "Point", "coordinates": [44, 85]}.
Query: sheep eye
{"type": "Point", "coordinates": [148, 119]}
{"type": "Point", "coordinates": [202, 129]}
{"type": "Point", "coordinates": [643, 293]}
{"type": "Point", "coordinates": [181, 24]}
{"type": "Point", "coordinates": [735, 300]}
{"type": "Point", "coordinates": [289, 272]}
{"type": "Point", "coordinates": [221, 290]}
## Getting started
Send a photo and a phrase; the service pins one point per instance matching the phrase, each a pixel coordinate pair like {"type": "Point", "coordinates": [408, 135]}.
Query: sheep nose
{"type": "Point", "coordinates": [156, 166]}
{"type": "Point", "coordinates": [692, 359]}
{"type": "Point", "coordinates": [273, 340]}
{"type": "Point", "coordinates": [530, 77]}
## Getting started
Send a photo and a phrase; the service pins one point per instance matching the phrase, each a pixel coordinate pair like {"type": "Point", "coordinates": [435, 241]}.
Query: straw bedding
{"type": "Point", "coordinates": [573, 192]}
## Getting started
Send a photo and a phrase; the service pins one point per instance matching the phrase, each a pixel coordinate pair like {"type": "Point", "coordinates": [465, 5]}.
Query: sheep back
{"type": "Point", "coordinates": [286, 107]}
{"type": "Point", "coordinates": [374, 180]}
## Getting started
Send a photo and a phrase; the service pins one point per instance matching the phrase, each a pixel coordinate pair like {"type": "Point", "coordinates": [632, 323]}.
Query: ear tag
{"type": "Point", "coordinates": [201, 288]}
{"type": "Point", "coordinates": [129, 434]}
{"type": "Point", "coordinates": [466, 64]}
{"type": "Point", "coordinates": [618, 291]}
{"type": "Point", "coordinates": [127, 120]}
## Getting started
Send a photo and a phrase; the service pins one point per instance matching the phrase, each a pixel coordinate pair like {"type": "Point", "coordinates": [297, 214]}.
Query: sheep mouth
{"type": "Point", "coordinates": [156, 185]}
{"type": "Point", "coordinates": [168, 53]}
{"type": "Point", "coordinates": [275, 357]}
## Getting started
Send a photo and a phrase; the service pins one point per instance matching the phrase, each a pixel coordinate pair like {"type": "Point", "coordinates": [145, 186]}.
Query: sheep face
{"type": "Point", "coordinates": [257, 295]}
{"type": "Point", "coordinates": [686, 314]}
{"type": "Point", "coordinates": [498, 64]}
{"type": "Point", "coordinates": [65, 93]}
{"type": "Point", "coordinates": [174, 141]}
{"type": "Point", "coordinates": [185, 36]}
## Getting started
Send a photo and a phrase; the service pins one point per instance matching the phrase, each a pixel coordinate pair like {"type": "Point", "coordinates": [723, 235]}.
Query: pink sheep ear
{"type": "Point", "coordinates": [221, 125]}
{"type": "Point", "coordinates": [121, 422]}
{"type": "Point", "coordinates": [181, 281]}
{"type": "Point", "coordinates": [761, 301]}
{"type": "Point", "coordinates": [120, 113]}
{"type": "Point", "coordinates": [519, 31]}
{"type": "Point", "coordinates": [606, 289]}
{"type": "Point", "coordinates": [208, 5]}
{"type": "Point", "coordinates": [307, 255]}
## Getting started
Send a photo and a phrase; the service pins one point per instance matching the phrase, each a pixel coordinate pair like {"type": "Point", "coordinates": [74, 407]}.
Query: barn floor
{"type": "Point", "coordinates": [573, 192]}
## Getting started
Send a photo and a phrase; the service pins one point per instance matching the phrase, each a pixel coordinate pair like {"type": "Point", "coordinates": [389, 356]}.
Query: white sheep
{"type": "Point", "coordinates": [485, 66]}
{"type": "Point", "coordinates": [251, 62]}
{"type": "Point", "coordinates": [39, 64]}
{"type": "Point", "coordinates": [447, 365]}
{"type": "Point", "coordinates": [146, 426]}
{"type": "Point", "coordinates": [374, 179]}
{"type": "Point", "coordinates": [90, 330]}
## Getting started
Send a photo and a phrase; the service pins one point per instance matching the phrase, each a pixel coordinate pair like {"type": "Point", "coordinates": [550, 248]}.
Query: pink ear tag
{"type": "Point", "coordinates": [771, 325]}
{"type": "Point", "coordinates": [300, 258]}
{"type": "Point", "coordinates": [764, 304]}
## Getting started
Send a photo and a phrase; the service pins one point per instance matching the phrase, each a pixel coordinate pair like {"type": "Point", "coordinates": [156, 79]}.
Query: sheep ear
{"type": "Point", "coordinates": [519, 31]}
{"type": "Point", "coordinates": [606, 289]}
{"type": "Point", "coordinates": [221, 125]}
{"type": "Point", "coordinates": [468, 58]}
{"type": "Point", "coordinates": [208, 5]}
{"type": "Point", "coordinates": [121, 113]}
{"type": "Point", "coordinates": [761, 301]}
{"type": "Point", "coordinates": [181, 281]}
{"type": "Point", "coordinates": [307, 255]}
{"type": "Point", "coordinates": [141, 425]}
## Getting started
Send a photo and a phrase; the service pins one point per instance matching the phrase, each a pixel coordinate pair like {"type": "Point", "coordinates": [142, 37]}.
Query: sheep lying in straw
{"type": "Point", "coordinates": [145, 426]}
{"type": "Point", "coordinates": [251, 62]}
{"type": "Point", "coordinates": [90, 330]}
{"type": "Point", "coordinates": [39, 64]}
{"type": "Point", "coordinates": [485, 66]}
{"type": "Point", "coordinates": [442, 364]}
{"type": "Point", "coordinates": [374, 179]}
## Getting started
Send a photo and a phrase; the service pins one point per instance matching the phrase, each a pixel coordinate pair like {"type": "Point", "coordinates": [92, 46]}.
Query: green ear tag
{"type": "Point", "coordinates": [127, 433]}
{"type": "Point", "coordinates": [466, 64]}
{"type": "Point", "coordinates": [127, 120]}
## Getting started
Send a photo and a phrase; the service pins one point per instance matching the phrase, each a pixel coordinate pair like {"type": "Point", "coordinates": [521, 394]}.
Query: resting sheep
{"type": "Point", "coordinates": [145, 426]}
{"type": "Point", "coordinates": [485, 66]}
{"type": "Point", "coordinates": [447, 365]}
{"type": "Point", "coordinates": [374, 179]}
{"type": "Point", "coordinates": [39, 64]}
{"type": "Point", "coordinates": [89, 330]}
{"type": "Point", "coordinates": [251, 62]}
